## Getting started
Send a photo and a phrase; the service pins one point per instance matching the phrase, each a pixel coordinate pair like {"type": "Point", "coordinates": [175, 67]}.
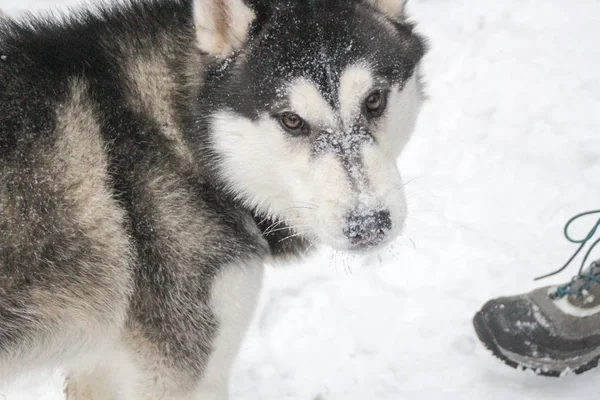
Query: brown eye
{"type": "Point", "coordinates": [292, 122]}
{"type": "Point", "coordinates": [375, 104]}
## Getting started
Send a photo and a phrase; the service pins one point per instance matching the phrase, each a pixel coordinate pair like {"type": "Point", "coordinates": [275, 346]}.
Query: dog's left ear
{"type": "Point", "coordinates": [394, 9]}
{"type": "Point", "coordinates": [221, 25]}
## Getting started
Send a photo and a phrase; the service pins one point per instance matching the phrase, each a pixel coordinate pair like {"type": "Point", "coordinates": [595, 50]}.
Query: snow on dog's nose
{"type": "Point", "coordinates": [367, 228]}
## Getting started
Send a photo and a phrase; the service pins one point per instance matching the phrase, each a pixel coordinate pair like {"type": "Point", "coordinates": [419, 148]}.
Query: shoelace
{"type": "Point", "coordinates": [582, 279]}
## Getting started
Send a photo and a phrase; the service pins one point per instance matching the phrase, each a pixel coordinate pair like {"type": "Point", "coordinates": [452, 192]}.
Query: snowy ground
{"type": "Point", "coordinates": [506, 150]}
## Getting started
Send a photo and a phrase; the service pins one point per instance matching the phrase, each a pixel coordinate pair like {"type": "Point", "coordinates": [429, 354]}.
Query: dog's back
{"type": "Point", "coordinates": [92, 112]}
{"type": "Point", "coordinates": [64, 247]}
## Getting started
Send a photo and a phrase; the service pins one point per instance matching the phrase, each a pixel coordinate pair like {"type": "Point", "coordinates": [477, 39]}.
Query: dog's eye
{"type": "Point", "coordinates": [375, 104]}
{"type": "Point", "coordinates": [293, 123]}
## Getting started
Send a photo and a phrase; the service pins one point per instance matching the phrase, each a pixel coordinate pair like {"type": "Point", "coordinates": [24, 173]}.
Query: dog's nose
{"type": "Point", "coordinates": [367, 227]}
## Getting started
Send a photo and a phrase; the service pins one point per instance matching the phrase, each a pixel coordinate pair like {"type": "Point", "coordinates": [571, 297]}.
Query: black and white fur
{"type": "Point", "coordinates": [145, 176]}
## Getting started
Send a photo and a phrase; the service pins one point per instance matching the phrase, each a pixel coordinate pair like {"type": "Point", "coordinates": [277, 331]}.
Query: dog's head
{"type": "Point", "coordinates": [308, 117]}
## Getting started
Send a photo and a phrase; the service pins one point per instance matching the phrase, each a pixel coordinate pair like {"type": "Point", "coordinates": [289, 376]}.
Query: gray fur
{"type": "Point", "coordinates": [114, 229]}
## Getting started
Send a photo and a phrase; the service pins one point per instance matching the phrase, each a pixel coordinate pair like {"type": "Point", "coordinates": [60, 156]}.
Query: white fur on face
{"type": "Point", "coordinates": [400, 119]}
{"type": "Point", "coordinates": [355, 85]}
{"type": "Point", "coordinates": [306, 99]}
{"type": "Point", "coordinates": [282, 175]}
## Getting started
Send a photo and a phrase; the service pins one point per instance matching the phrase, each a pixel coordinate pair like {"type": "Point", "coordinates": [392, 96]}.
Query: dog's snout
{"type": "Point", "coordinates": [367, 227]}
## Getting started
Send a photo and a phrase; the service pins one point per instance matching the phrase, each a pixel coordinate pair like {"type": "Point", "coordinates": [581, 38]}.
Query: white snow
{"type": "Point", "coordinates": [506, 150]}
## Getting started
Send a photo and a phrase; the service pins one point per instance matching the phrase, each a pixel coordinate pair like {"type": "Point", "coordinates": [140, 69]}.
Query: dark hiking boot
{"type": "Point", "coordinates": [548, 330]}
{"type": "Point", "coordinates": [552, 330]}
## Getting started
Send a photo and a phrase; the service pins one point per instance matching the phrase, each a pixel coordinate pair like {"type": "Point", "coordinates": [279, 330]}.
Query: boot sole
{"type": "Point", "coordinates": [515, 361]}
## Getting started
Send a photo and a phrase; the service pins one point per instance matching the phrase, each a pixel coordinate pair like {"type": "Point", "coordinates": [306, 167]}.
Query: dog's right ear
{"type": "Point", "coordinates": [393, 9]}
{"type": "Point", "coordinates": [221, 25]}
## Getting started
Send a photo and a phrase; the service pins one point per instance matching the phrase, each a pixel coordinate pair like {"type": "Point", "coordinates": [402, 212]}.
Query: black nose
{"type": "Point", "coordinates": [367, 227]}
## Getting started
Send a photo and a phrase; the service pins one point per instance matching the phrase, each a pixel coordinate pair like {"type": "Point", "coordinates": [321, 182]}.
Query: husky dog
{"type": "Point", "coordinates": [154, 154]}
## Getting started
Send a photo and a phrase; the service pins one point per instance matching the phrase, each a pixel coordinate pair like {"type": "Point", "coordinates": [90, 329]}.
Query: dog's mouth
{"type": "Point", "coordinates": [363, 244]}
{"type": "Point", "coordinates": [360, 230]}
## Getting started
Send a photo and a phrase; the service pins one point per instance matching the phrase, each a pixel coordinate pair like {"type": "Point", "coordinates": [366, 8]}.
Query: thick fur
{"type": "Point", "coordinates": [136, 206]}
